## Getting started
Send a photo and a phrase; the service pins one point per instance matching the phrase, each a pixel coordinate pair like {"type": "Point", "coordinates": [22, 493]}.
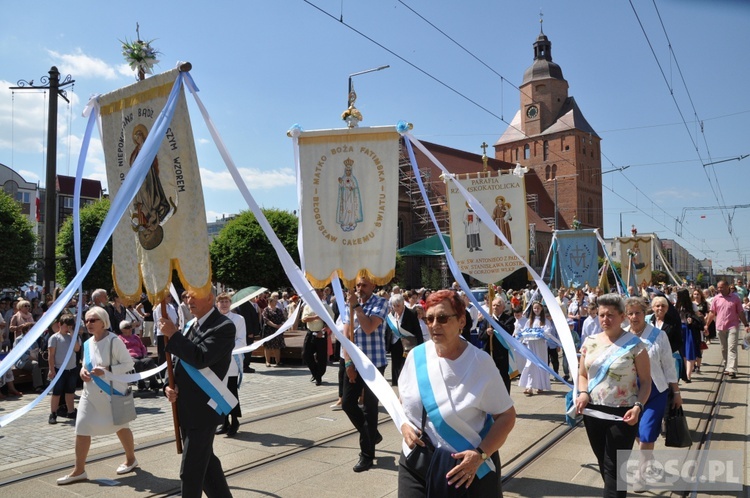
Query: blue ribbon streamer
{"type": "Point", "coordinates": [119, 205]}
{"type": "Point", "coordinates": [453, 266]}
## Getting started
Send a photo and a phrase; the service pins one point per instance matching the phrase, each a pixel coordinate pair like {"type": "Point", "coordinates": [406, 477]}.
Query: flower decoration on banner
{"type": "Point", "coordinates": [576, 224]}
{"type": "Point", "coordinates": [631, 253]}
{"type": "Point", "coordinates": [140, 55]}
{"type": "Point", "coordinates": [352, 116]}
{"type": "Point", "coordinates": [575, 285]}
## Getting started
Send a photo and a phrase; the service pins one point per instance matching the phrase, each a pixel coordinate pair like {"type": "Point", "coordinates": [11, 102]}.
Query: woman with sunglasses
{"type": "Point", "coordinates": [453, 392]}
{"type": "Point", "coordinates": [22, 320]}
{"type": "Point", "coordinates": [104, 354]}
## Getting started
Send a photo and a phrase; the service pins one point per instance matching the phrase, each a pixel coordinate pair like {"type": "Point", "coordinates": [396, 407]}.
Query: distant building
{"type": "Point", "coordinates": [214, 227]}
{"type": "Point", "coordinates": [550, 136]}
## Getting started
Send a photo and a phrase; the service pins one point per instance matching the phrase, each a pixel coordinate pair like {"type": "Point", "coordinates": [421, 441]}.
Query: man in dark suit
{"type": "Point", "coordinates": [406, 319]}
{"type": "Point", "coordinates": [207, 343]}
{"type": "Point", "coordinates": [249, 311]}
{"type": "Point", "coordinates": [498, 352]}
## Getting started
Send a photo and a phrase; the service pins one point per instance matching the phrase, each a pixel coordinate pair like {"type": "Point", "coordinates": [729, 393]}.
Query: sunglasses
{"type": "Point", "coordinates": [441, 319]}
{"type": "Point", "coordinates": [91, 320]}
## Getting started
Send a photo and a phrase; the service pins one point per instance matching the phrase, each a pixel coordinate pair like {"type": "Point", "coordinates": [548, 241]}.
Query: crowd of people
{"type": "Point", "coordinates": [634, 352]}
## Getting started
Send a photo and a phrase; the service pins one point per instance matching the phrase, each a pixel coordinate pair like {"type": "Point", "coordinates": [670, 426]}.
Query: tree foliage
{"type": "Point", "coordinates": [242, 255]}
{"type": "Point", "coordinates": [18, 243]}
{"type": "Point", "coordinates": [100, 276]}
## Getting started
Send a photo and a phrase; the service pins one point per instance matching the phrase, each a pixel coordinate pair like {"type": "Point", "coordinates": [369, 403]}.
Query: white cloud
{"type": "Point", "coordinates": [254, 178]}
{"type": "Point", "coordinates": [203, 141]}
{"type": "Point", "coordinates": [81, 65]}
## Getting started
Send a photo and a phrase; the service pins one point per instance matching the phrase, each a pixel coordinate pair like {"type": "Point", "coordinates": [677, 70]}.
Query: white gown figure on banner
{"type": "Point", "coordinates": [349, 209]}
{"type": "Point", "coordinates": [471, 227]}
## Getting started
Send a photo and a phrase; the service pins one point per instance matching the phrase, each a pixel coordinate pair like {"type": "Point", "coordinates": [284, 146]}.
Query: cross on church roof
{"type": "Point", "coordinates": [541, 21]}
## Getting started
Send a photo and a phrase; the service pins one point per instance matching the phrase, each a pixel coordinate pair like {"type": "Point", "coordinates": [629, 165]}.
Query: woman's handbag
{"type": "Point", "coordinates": [678, 435]}
{"type": "Point", "coordinates": [420, 457]}
{"type": "Point", "coordinates": [123, 405]}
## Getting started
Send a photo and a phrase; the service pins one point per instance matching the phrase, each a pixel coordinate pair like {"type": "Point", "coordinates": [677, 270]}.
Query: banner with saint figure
{"type": "Point", "coordinates": [477, 250]}
{"type": "Point", "coordinates": [348, 188]}
{"type": "Point", "coordinates": [636, 256]}
{"type": "Point", "coordinates": [577, 253]}
{"type": "Point", "coordinates": [165, 227]}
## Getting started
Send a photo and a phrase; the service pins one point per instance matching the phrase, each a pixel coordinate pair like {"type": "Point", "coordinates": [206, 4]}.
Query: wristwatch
{"type": "Point", "coordinates": [482, 454]}
{"type": "Point", "coordinates": [356, 306]}
{"type": "Point", "coordinates": [639, 405]}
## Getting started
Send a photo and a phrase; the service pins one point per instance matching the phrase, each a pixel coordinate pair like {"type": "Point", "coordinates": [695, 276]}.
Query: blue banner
{"type": "Point", "coordinates": [577, 257]}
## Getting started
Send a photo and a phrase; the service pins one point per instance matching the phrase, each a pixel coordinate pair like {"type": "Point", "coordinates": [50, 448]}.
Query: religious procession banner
{"type": "Point", "coordinates": [165, 227]}
{"type": "Point", "coordinates": [577, 253]}
{"type": "Point", "coordinates": [477, 251]}
{"type": "Point", "coordinates": [348, 188]}
{"type": "Point", "coordinates": [637, 259]}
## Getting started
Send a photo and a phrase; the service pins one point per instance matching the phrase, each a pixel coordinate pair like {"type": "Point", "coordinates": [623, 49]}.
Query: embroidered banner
{"type": "Point", "coordinates": [478, 252]}
{"type": "Point", "coordinates": [164, 228]}
{"type": "Point", "coordinates": [348, 188]}
{"type": "Point", "coordinates": [578, 261]}
{"type": "Point", "coordinates": [636, 257]}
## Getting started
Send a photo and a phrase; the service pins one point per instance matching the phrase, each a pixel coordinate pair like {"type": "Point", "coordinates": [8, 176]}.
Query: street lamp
{"type": "Point", "coordinates": [555, 180]}
{"type": "Point", "coordinates": [351, 98]}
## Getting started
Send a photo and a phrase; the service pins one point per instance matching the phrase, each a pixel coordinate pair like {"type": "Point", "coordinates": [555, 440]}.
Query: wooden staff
{"type": "Point", "coordinates": [170, 376]}
{"type": "Point", "coordinates": [491, 297]}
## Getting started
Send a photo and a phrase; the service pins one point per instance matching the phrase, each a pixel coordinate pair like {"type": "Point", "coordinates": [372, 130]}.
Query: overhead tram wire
{"type": "Point", "coordinates": [457, 92]}
{"type": "Point", "coordinates": [722, 204]}
{"type": "Point", "coordinates": [434, 78]}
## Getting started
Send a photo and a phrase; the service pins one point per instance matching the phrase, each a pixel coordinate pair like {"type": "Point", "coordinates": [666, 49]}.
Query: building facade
{"type": "Point", "coordinates": [550, 136]}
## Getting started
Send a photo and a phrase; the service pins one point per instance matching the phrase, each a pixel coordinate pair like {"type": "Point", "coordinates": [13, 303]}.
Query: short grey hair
{"type": "Point", "coordinates": [98, 293]}
{"type": "Point", "coordinates": [396, 300]}
{"type": "Point", "coordinates": [636, 301]}
{"type": "Point", "coordinates": [612, 299]}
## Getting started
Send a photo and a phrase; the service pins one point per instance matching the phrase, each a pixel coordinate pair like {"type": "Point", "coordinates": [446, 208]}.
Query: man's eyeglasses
{"type": "Point", "coordinates": [441, 319]}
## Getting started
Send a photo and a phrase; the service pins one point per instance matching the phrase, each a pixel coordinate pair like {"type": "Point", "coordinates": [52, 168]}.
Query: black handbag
{"type": "Point", "coordinates": [678, 434]}
{"type": "Point", "coordinates": [418, 461]}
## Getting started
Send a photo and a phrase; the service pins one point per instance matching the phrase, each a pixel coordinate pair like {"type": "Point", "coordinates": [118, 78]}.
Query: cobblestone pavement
{"type": "Point", "coordinates": [30, 439]}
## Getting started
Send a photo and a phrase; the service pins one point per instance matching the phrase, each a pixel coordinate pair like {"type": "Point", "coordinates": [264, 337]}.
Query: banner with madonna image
{"type": "Point", "coordinates": [577, 256]}
{"type": "Point", "coordinates": [636, 256]}
{"type": "Point", "coordinates": [164, 227]}
{"type": "Point", "coordinates": [477, 251]}
{"type": "Point", "coordinates": [348, 189]}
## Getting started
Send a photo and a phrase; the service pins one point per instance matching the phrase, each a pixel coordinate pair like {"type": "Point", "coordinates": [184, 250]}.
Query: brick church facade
{"type": "Point", "coordinates": [550, 136]}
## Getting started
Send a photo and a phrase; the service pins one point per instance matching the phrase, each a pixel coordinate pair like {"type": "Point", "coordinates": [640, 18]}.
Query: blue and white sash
{"type": "Point", "coordinates": [89, 366]}
{"type": "Point", "coordinates": [220, 397]}
{"type": "Point", "coordinates": [598, 370]}
{"type": "Point", "coordinates": [437, 403]}
{"type": "Point", "coordinates": [651, 339]}
{"type": "Point", "coordinates": [532, 333]}
{"type": "Point", "coordinates": [398, 331]}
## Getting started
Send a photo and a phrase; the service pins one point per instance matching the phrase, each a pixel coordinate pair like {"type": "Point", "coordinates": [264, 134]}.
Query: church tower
{"type": "Point", "coordinates": [550, 135]}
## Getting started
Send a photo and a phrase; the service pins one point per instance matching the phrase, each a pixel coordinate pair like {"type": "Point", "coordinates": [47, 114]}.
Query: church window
{"type": "Point", "coordinates": [546, 150]}
{"type": "Point", "coordinates": [526, 151]}
{"type": "Point", "coordinates": [554, 171]}
{"type": "Point", "coordinates": [516, 153]}
{"type": "Point", "coordinates": [567, 147]}
{"type": "Point", "coordinates": [547, 173]}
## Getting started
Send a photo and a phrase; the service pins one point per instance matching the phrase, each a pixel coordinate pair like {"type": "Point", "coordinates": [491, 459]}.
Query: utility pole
{"type": "Point", "coordinates": [56, 88]}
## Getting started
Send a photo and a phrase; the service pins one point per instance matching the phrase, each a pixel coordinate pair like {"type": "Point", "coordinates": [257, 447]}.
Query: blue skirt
{"type": "Point", "coordinates": [689, 352]}
{"type": "Point", "coordinates": [649, 426]}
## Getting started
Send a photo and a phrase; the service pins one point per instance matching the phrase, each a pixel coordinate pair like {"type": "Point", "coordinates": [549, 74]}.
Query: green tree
{"type": "Point", "coordinates": [18, 244]}
{"type": "Point", "coordinates": [100, 276]}
{"type": "Point", "coordinates": [242, 255]}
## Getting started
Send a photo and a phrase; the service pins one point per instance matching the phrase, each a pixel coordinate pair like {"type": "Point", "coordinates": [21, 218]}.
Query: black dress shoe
{"type": "Point", "coordinates": [233, 427]}
{"type": "Point", "coordinates": [378, 439]}
{"type": "Point", "coordinates": [223, 428]}
{"type": "Point", "coordinates": [363, 464]}
{"type": "Point", "coordinates": [318, 382]}
{"type": "Point", "coordinates": [248, 370]}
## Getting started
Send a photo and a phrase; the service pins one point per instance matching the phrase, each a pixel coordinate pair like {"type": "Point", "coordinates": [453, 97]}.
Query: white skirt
{"type": "Point", "coordinates": [533, 376]}
{"type": "Point", "coordinates": [95, 413]}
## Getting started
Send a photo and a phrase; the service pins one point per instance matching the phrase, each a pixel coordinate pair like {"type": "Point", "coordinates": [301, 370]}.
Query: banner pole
{"type": "Point", "coordinates": [170, 376]}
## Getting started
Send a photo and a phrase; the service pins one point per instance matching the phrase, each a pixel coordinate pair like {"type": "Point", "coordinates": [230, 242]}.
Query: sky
{"type": "Point", "coordinates": [265, 66]}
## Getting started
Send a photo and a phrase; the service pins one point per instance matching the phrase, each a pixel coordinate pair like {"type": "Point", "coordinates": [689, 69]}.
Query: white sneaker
{"type": "Point", "coordinates": [336, 407]}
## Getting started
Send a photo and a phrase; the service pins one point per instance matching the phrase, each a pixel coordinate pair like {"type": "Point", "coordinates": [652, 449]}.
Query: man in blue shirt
{"type": "Point", "coordinates": [368, 313]}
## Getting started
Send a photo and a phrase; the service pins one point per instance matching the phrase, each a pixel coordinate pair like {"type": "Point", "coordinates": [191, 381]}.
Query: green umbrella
{"type": "Point", "coordinates": [246, 294]}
